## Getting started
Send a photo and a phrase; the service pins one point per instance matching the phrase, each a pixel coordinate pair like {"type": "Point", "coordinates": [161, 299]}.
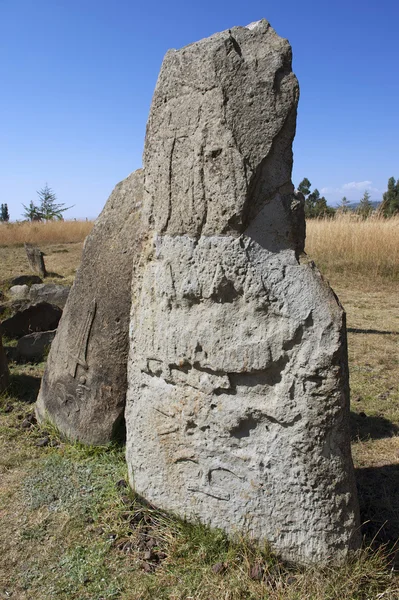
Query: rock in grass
{"type": "Point", "coordinates": [84, 386]}
{"type": "Point", "coordinates": [219, 568]}
{"type": "Point", "coordinates": [35, 346]}
{"type": "Point", "coordinates": [43, 442]}
{"type": "Point", "coordinates": [238, 401]}
{"type": "Point", "coordinates": [19, 292]}
{"type": "Point", "coordinates": [257, 572]}
{"type": "Point", "coordinates": [38, 317]}
{"type": "Point", "coordinates": [49, 292]}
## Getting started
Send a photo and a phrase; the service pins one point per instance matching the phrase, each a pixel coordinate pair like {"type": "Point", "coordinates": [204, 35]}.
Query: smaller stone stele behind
{"type": "Point", "coordinates": [84, 385]}
{"type": "Point", "coordinates": [3, 368]}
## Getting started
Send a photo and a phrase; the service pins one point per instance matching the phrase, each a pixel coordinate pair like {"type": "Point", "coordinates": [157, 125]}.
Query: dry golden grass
{"type": "Point", "coordinates": [51, 232]}
{"type": "Point", "coordinates": [346, 244]}
{"type": "Point", "coordinates": [61, 260]}
{"type": "Point", "coordinates": [352, 246]}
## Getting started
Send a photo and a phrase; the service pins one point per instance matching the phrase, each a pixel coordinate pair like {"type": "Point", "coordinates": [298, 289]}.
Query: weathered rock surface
{"type": "Point", "coordinates": [3, 368]}
{"type": "Point", "coordinates": [238, 401]}
{"type": "Point", "coordinates": [84, 386]}
{"type": "Point", "coordinates": [34, 347]}
{"type": "Point", "coordinates": [11, 307]}
{"type": "Point", "coordinates": [23, 297]}
{"type": "Point", "coordinates": [37, 317]}
{"type": "Point", "coordinates": [19, 292]}
{"type": "Point", "coordinates": [49, 292]}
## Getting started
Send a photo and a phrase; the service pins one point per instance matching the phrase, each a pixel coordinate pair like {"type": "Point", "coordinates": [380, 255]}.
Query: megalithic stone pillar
{"type": "Point", "coordinates": [238, 399]}
{"type": "Point", "coordinates": [84, 385]}
{"type": "Point", "coordinates": [35, 259]}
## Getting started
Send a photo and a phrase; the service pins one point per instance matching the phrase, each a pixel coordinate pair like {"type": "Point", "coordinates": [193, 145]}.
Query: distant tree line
{"type": "Point", "coordinates": [47, 209]}
{"type": "Point", "coordinates": [390, 199]}
{"type": "Point", "coordinates": [4, 214]}
{"type": "Point", "coordinates": [316, 205]}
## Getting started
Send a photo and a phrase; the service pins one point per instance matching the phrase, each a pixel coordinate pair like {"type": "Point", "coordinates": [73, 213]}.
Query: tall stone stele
{"type": "Point", "coordinates": [238, 400]}
{"type": "Point", "coordinates": [83, 389]}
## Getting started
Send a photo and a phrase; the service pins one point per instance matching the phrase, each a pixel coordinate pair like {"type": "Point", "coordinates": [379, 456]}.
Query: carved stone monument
{"type": "Point", "coordinates": [84, 386]}
{"type": "Point", "coordinates": [238, 399]}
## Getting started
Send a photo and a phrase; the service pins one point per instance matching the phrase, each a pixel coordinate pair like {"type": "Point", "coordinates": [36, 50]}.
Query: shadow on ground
{"type": "Point", "coordinates": [364, 427]}
{"type": "Point", "coordinates": [24, 387]}
{"type": "Point", "coordinates": [375, 331]}
{"type": "Point", "coordinates": [379, 503]}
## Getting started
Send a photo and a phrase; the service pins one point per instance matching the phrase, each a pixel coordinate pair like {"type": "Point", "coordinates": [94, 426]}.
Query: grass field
{"type": "Point", "coordinates": [71, 530]}
{"type": "Point", "coordinates": [349, 245]}
{"type": "Point", "coordinates": [44, 233]}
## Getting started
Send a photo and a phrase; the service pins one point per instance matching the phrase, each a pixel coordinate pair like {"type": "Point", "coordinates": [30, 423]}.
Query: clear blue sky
{"type": "Point", "coordinates": [77, 79]}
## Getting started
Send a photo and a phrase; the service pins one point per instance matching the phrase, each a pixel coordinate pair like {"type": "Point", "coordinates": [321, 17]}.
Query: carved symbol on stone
{"type": "Point", "coordinates": [169, 427]}
{"type": "Point", "coordinates": [209, 488]}
{"type": "Point", "coordinates": [80, 354]}
{"type": "Point", "coordinates": [219, 495]}
{"type": "Point", "coordinates": [165, 414]}
{"type": "Point", "coordinates": [80, 391]}
{"type": "Point", "coordinates": [66, 399]}
{"type": "Point", "coordinates": [212, 479]}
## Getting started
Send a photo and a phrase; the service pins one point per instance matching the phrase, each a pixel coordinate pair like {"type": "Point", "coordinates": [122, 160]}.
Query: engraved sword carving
{"type": "Point", "coordinates": [80, 355]}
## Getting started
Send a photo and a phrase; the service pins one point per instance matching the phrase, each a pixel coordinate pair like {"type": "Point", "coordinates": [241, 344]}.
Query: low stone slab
{"type": "Point", "coordinates": [19, 292]}
{"type": "Point", "coordinates": [39, 317]}
{"type": "Point", "coordinates": [35, 346]}
{"type": "Point", "coordinates": [83, 390]}
{"type": "Point", "coordinates": [50, 293]}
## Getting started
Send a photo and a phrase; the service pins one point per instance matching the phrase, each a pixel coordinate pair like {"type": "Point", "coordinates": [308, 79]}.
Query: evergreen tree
{"type": "Point", "coordinates": [32, 212]}
{"type": "Point", "coordinates": [48, 205]}
{"type": "Point", "coordinates": [315, 205]}
{"type": "Point", "coordinates": [365, 207]}
{"type": "Point", "coordinates": [304, 187]}
{"type": "Point", "coordinates": [4, 214]}
{"type": "Point", "coordinates": [48, 209]}
{"type": "Point", "coordinates": [390, 202]}
{"type": "Point", "coordinates": [344, 206]}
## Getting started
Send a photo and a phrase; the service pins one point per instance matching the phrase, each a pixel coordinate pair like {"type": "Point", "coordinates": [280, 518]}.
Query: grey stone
{"type": "Point", "coordinates": [35, 346]}
{"type": "Point", "coordinates": [238, 399]}
{"type": "Point", "coordinates": [4, 374]}
{"type": "Point", "coordinates": [38, 317]}
{"type": "Point", "coordinates": [11, 307]}
{"type": "Point", "coordinates": [35, 259]}
{"type": "Point", "coordinates": [83, 390]}
{"type": "Point", "coordinates": [19, 292]}
{"type": "Point", "coordinates": [23, 298]}
{"type": "Point", "coordinates": [49, 292]}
